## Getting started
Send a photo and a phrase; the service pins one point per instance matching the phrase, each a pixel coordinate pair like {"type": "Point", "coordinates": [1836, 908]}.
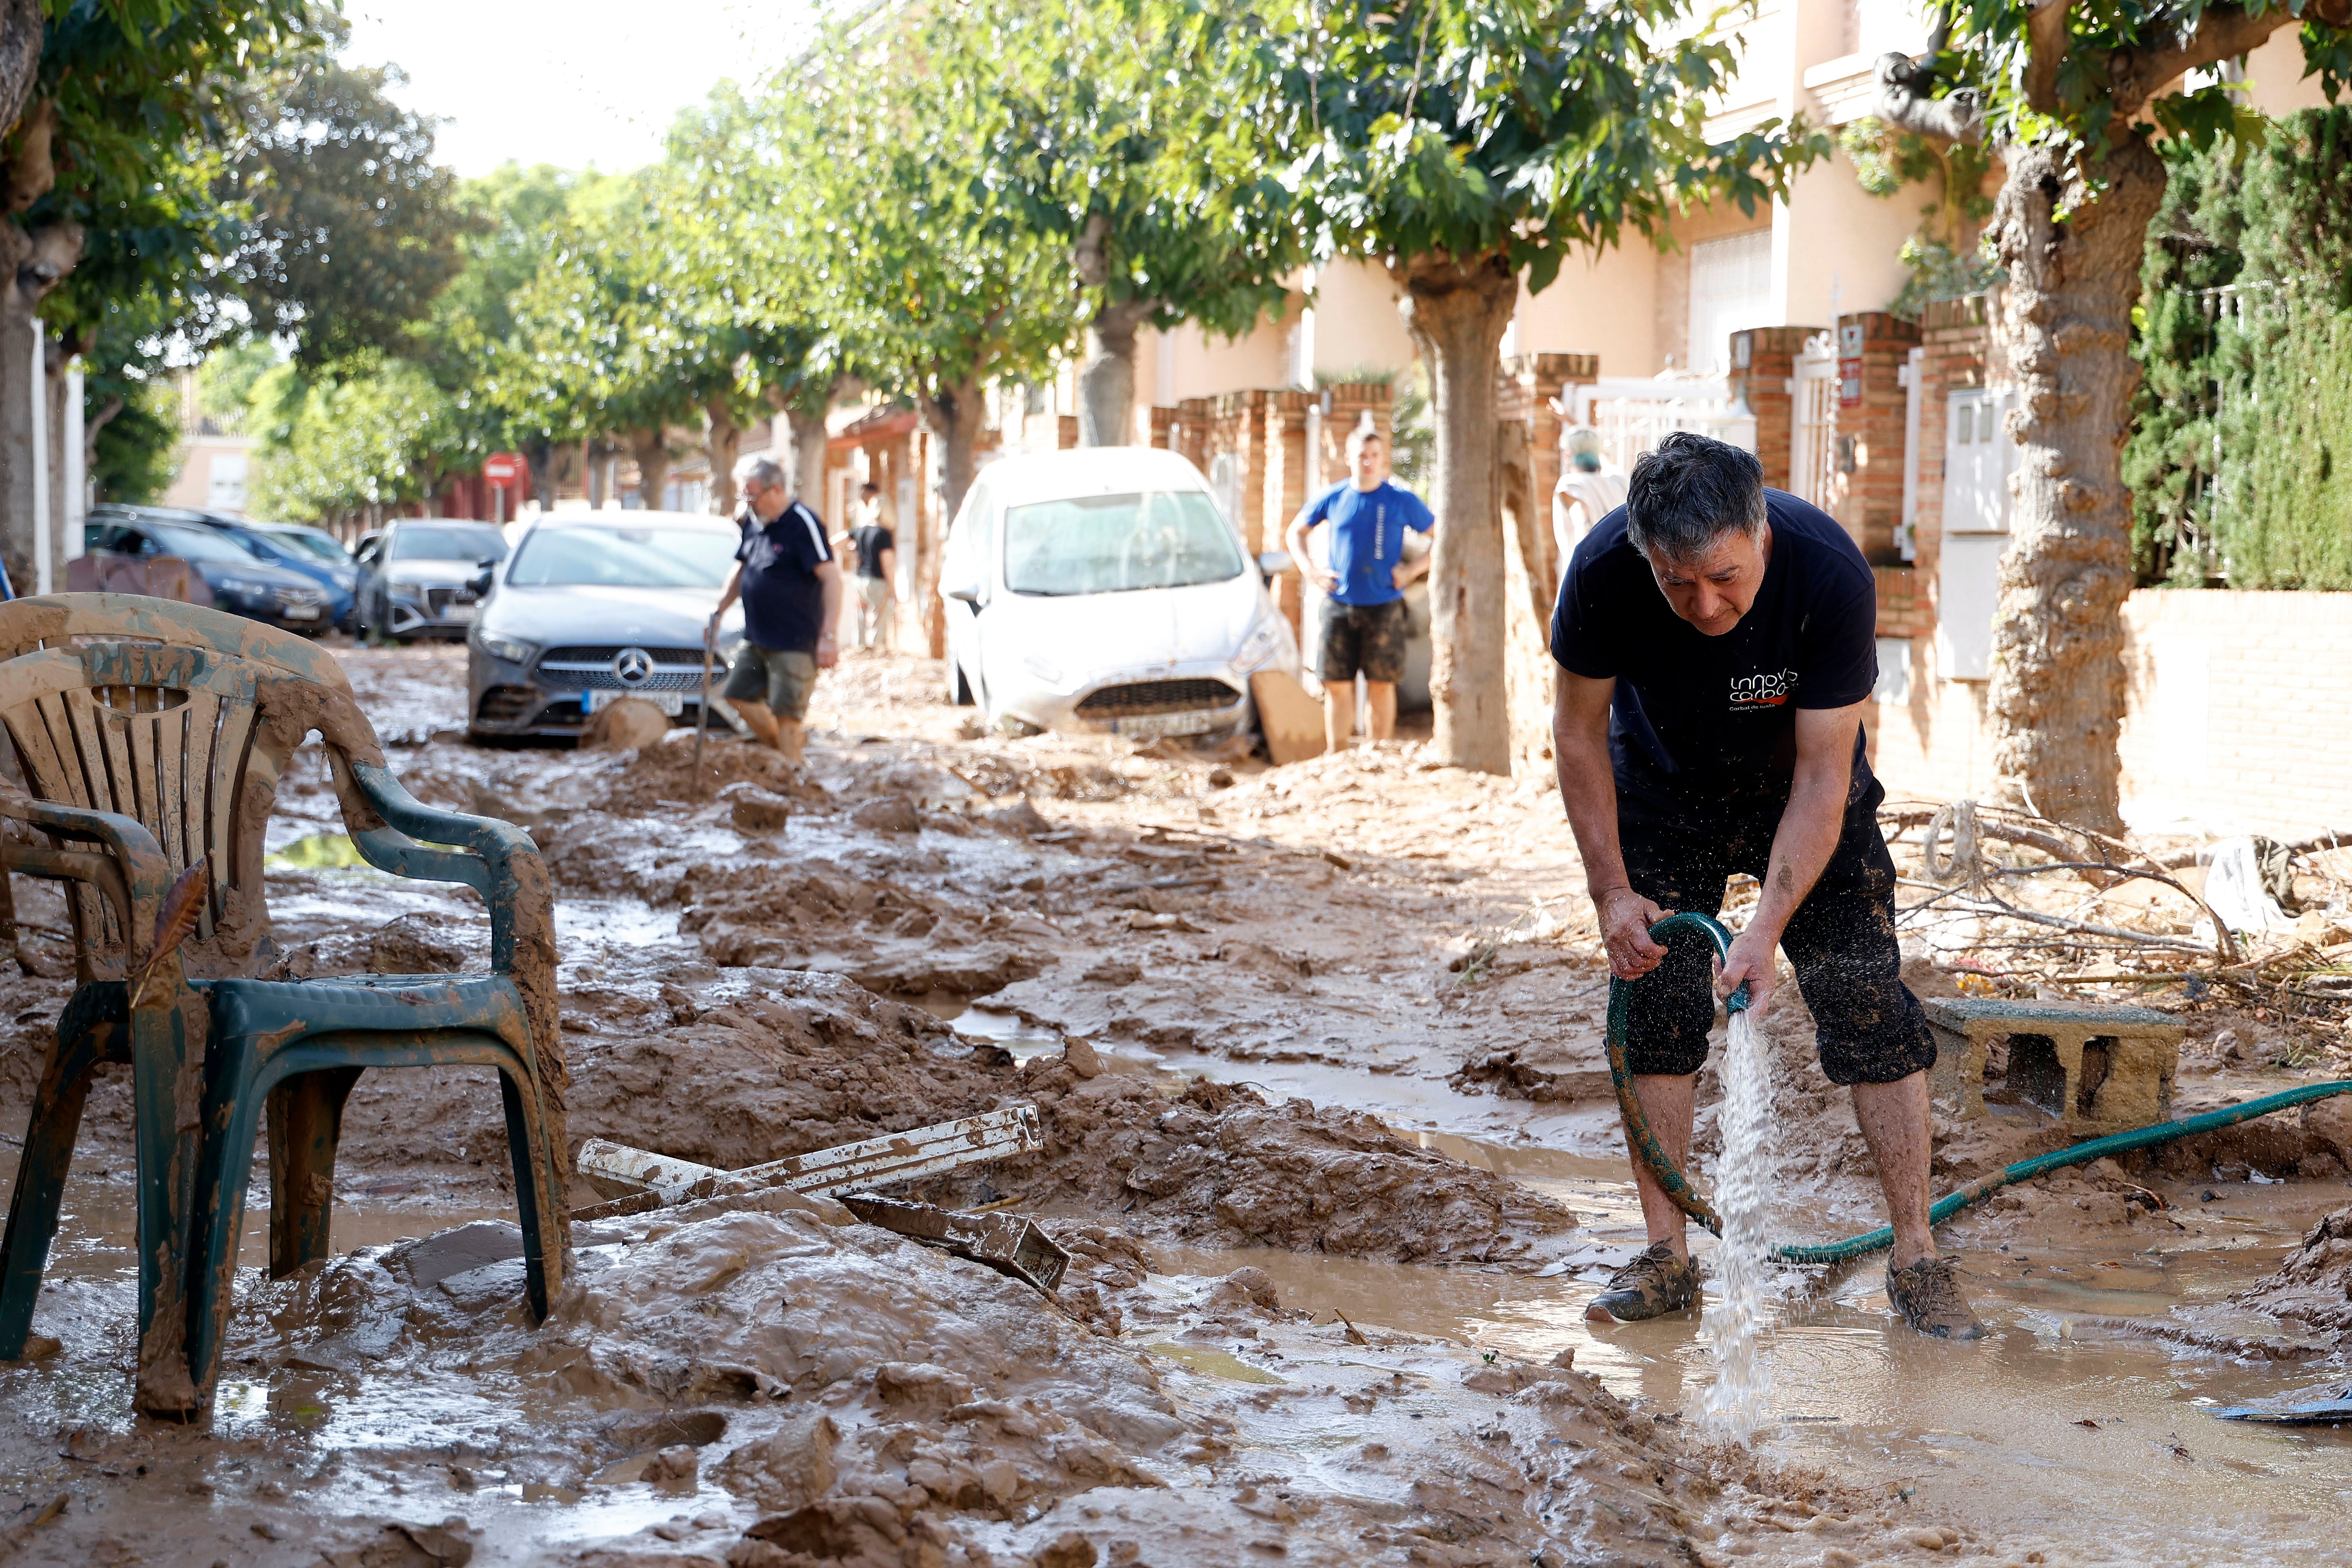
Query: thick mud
{"type": "Point", "coordinates": [1317, 1056]}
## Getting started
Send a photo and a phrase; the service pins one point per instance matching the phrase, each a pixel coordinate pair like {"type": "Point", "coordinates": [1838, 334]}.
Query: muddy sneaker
{"type": "Point", "coordinates": [1656, 1283]}
{"type": "Point", "coordinates": [1927, 1294]}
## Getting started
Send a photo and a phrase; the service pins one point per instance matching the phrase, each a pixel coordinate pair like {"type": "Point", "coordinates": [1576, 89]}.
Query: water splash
{"type": "Point", "coordinates": [1734, 1319]}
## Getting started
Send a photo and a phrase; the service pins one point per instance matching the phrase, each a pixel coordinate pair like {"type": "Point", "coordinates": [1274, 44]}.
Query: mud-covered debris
{"type": "Point", "coordinates": [888, 814]}
{"type": "Point", "coordinates": [754, 809]}
{"type": "Point", "coordinates": [1082, 1056]}
{"type": "Point", "coordinates": [629, 725]}
{"type": "Point", "coordinates": [1009, 1243]}
{"type": "Point", "coordinates": [1019, 818]}
{"type": "Point", "coordinates": [2314, 1285]}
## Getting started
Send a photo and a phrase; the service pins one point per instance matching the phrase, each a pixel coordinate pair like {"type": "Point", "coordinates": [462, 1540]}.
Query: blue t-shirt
{"type": "Point", "coordinates": [1713, 720]}
{"type": "Point", "coordinates": [784, 599]}
{"type": "Point", "coordinates": [1367, 537]}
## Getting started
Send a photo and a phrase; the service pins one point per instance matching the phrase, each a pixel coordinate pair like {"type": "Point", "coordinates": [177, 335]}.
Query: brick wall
{"type": "Point", "coordinates": [1870, 435]}
{"type": "Point", "coordinates": [1762, 360]}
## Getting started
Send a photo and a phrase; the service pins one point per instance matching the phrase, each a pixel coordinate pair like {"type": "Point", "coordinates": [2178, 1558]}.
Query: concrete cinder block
{"type": "Point", "coordinates": [2096, 1069]}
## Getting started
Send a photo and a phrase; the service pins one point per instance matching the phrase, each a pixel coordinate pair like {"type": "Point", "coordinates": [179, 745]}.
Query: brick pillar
{"type": "Point", "coordinates": [1285, 445]}
{"type": "Point", "coordinates": [1350, 400]}
{"type": "Point", "coordinates": [1870, 433]}
{"type": "Point", "coordinates": [1065, 431]}
{"type": "Point", "coordinates": [1163, 428]}
{"type": "Point", "coordinates": [1233, 433]}
{"type": "Point", "coordinates": [1763, 361]}
{"type": "Point", "coordinates": [1529, 385]}
{"type": "Point", "coordinates": [1188, 436]}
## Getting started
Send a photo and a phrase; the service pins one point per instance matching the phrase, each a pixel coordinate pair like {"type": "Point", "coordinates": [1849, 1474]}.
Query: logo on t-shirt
{"type": "Point", "coordinates": [1753, 691]}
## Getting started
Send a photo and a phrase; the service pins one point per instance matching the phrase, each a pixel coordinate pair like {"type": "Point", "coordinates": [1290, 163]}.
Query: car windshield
{"type": "Point", "coordinates": [199, 545]}
{"type": "Point", "coordinates": [317, 544]}
{"type": "Point", "coordinates": [623, 558]}
{"type": "Point", "coordinates": [1114, 544]}
{"type": "Point", "coordinates": [411, 542]}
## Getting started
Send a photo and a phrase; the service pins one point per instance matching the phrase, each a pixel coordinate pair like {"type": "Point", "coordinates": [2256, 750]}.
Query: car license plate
{"type": "Point", "coordinates": [458, 612]}
{"type": "Point", "coordinates": [301, 612]}
{"type": "Point", "coordinates": [1151, 726]}
{"type": "Point", "coordinates": [670, 703]}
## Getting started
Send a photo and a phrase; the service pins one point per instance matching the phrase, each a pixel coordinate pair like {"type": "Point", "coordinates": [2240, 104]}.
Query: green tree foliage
{"type": "Point", "coordinates": [353, 228]}
{"type": "Point", "coordinates": [371, 433]}
{"type": "Point", "coordinates": [134, 455]}
{"type": "Point", "coordinates": [2236, 460]}
{"type": "Point", "coordinates": [1082, 113]}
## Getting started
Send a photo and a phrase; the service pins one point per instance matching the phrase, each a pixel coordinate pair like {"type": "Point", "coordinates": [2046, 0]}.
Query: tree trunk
{"type": "Point", "coordinates": [651, 449]}
{"type": "Point", "coordinates": [52, 377]}
{"type": "Point", "coordinates": [808, 454]}
{"type": "Point", "coordinates": [540, 453]}
{"type": "Point", "coordinates": [953, 414]}
{"type": "Point", "coordinates": [30, 266]}
{"type": "Point", "coordinates": [1107, 376]}
{"type": "Point", "coordinates": [721, 441]}
{"type": "Point", "coordinates": [92, 423]}
{"type": "Point", "coordinates": [2057, 689]}
{"type": "Point", "coordinates": [1457, 312]}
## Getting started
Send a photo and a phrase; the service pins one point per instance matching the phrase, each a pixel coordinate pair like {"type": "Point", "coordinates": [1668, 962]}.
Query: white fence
{"type": "Point", "coordinates": [1634, 413]}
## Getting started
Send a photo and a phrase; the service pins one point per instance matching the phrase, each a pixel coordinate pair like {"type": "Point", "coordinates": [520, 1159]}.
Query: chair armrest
{"type": "Point", "coordinates": [482, 852]}
{"type": "Point", "coordinates": [129, 868]}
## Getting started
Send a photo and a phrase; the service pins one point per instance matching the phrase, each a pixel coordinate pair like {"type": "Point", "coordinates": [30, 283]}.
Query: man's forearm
{"type": "Point", "coordinates": [1589, 790]}
{"type": "Point", "coordinates": [1802, 844]}
{"type": "Point", "coordinates": [831, 602]}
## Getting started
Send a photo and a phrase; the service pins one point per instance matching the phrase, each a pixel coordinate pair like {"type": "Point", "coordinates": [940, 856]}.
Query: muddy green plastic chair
{"type": "Point", "coordinates": [151, 735]}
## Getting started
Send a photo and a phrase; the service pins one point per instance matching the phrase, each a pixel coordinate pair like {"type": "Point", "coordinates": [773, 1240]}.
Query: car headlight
{"type": "Point", "coordinates": [1043, 669]}
{"type": "Point", "coordinates": [1260, 646]}
{"type": "Point", "coordinates": [247, 585]}
{"type": "Point", "coordinates": [403, 585]}
{"type": "Point", "coordinates": [507, 648]}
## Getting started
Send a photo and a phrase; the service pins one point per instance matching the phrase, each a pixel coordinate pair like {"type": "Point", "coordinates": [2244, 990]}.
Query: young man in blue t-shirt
{"type": "Point", "coordinates": [1366, 515]}
{"type": "Point", "coordinates": [1715, 643]}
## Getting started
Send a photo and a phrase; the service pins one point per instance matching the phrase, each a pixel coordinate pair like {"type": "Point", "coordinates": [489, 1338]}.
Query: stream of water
{"type": "Point", "coordinates": [1739, 1399]}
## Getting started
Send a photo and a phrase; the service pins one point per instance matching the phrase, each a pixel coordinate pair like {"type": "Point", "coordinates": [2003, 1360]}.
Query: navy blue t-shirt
{"type": "Point", "coordinates": [1366, 536]}
{"type": "Point", "coordinates": [783, 600]}
{"type": "Point", "coordinates": [1700, 721]}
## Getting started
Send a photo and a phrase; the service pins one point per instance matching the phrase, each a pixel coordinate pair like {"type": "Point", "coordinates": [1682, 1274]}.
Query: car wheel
{"type": "Point", "coordinates": [958, 688]}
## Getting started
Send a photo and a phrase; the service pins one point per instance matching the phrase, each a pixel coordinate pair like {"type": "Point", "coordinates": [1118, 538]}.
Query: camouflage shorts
{"type": "Point", "coordinates": [1841, 941]}
{"type": "Point", "coordinates": [1366, 637]}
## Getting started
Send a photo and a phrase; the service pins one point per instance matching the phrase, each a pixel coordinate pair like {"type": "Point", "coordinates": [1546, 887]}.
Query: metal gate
{"type": "Point", "coordinates": [1813, 426]}
{"type": "Point", "coordinates": [1634, 413]}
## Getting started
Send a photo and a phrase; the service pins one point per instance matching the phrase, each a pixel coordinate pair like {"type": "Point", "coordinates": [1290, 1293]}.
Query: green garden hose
{"type": "Point", "coordinates": [1662, 1169]}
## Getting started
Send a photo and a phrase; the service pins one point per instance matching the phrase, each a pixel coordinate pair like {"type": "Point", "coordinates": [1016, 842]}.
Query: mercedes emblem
{"type": "Point", "coordinates": [632, 667]}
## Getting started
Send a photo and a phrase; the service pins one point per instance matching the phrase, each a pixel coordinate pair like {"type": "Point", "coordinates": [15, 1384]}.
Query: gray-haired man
{"type": "Point", "coordinates": [1715, 642]}
{"type": "Point", "coordinates": [790, 588]}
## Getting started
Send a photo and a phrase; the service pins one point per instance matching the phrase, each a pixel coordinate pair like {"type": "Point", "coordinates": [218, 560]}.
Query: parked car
{"type": "Point", "coordinates": [283, 546]}
{"type": "Point", "coordinates": [417, 577]}
{"type": "Point", "coordinates": [1103, 590]}
{"type": "Point", "coordinates": [240, 582]}
{"type": "Point", "coordinates": [593, 606]}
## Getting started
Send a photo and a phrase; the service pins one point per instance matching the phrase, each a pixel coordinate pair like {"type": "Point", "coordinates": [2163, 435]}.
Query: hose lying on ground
{"type": "Point", "coordinates": [1687, 1199]}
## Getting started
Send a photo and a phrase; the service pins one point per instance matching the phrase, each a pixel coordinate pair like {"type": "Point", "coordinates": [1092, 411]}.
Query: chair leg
{"type": "Point", "coordinates": [535, 1194]}
{"type": "Point", "coordinates": [167, 1054]}
{"type": "Point", "coordinates": [306, 1122]}
{"type": "Point", "coordinates": [40, 1185]}
{"type": "Point", "coordinates": [222, 1174]}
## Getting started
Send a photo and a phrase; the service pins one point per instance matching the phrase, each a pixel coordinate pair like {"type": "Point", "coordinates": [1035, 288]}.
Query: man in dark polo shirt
{"type": "Point", "coordinates": [1715, 643]}
{"type": "Point", "coordinates": [790, 588]}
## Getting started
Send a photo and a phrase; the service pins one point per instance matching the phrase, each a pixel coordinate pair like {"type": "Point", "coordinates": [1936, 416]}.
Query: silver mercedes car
{"type": "Point", "coordinates": [593, 606]}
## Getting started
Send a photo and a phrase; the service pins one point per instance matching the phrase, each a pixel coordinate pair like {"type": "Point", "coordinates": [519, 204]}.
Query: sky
{"type": "Point", "coordinates": [569, 82]}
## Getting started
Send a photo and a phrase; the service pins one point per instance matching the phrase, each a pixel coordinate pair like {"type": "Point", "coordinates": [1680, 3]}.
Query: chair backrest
{"type": "Point", "coordinates": [183, 719]}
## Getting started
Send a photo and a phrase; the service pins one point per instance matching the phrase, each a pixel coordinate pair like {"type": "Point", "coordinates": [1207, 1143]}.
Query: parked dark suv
{"type": "Point", "coordinates": [241, 582]}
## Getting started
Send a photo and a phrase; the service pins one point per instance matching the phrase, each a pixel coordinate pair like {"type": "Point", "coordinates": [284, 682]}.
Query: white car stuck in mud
{"type": "Point", "coordinates": [1102, 591]}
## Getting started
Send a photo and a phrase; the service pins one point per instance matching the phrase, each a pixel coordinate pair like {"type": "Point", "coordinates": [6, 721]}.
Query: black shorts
{"type": "Point", "coordinates": [1841, 941]}
{"type": "Point", "coordinates": [1366, 637]}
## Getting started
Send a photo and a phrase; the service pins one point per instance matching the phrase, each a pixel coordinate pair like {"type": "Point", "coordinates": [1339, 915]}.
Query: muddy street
{"type": "Point", "coordinates": [1327, 1131]}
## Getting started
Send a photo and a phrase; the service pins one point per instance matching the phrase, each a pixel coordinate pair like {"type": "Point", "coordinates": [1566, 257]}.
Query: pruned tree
{"type": "Point", "coordinates": [1080, 114]}
{"type": "Point", "coordinates": [2071, 94]}
{"type": "Point", "coordinates": [352, 227]}
{"type": "Point", "coordinates": [1468, 146]}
